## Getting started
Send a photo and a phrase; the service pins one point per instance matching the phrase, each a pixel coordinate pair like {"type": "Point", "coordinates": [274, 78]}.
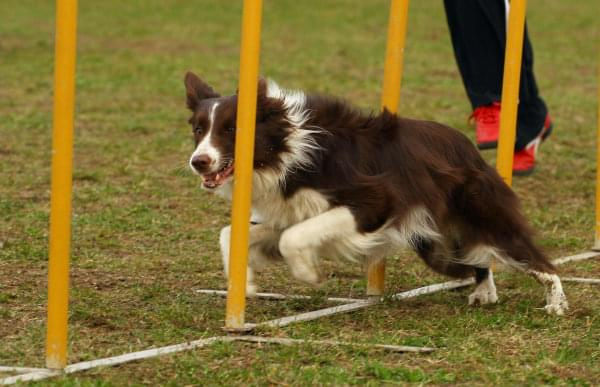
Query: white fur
{"type": "Point", "coordinates": [225, 190]}
{"type": "Point", "coordinates": [481, 256]}
{"type": "Point", "coordinates": [334, 233]}
{"type": "Point", "coordinates": [205, 147]}
{"type": "Point", "coordinates": [279, 212]}
{"type": "Point", "coordinates": [485, 292]}
{"type": "Point", "coordinates": [417, 222]}
{"type": "Point", "coordinates": [211, 115]}
{"type": "Point", "coordinates": [311, 229]}
{"type": "Point", "coordinates": [556, 301]}
{"type": "Point", "coordinates": [224, 242]}
{"type": "Point", "coordinates": [293, 101]}
{"type": "Point", "coordinates": [300, 244]}
{"type": "Point", "coordinates": [299, 138]}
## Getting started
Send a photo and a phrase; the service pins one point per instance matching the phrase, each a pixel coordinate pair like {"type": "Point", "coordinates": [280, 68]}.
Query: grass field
{"type": "Point", "coordinates": [145, 236]}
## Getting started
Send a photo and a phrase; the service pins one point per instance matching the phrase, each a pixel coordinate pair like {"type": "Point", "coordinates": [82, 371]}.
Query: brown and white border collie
{"type": "Point", "coordinates": [329, 180]}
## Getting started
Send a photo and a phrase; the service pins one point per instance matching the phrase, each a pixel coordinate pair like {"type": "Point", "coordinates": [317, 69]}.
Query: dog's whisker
{"type": "Point", "coordinates": [182, 170]}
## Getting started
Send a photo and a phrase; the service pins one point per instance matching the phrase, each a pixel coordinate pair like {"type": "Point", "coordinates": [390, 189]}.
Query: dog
{"type": "Point", "coordinates": [330, 180]}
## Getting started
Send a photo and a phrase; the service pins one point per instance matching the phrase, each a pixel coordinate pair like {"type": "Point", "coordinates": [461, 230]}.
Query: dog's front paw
{"type": "Point", "coordinates": [306, 274]}
{"type": "Point", "coordinates": [485, 292]}
{"type": "Point", "coordinates": [483, 297]}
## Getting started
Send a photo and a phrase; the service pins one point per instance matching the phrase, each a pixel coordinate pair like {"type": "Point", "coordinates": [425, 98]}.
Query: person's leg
{"type": "Point", "coordinates": [478, 33]}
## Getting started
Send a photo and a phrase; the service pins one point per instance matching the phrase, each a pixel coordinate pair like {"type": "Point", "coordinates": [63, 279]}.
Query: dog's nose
{"type": "Point", "coordinates": [201, 162]}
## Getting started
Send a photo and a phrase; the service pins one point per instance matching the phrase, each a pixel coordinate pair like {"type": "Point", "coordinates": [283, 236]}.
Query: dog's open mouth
{"type": "Point", "coordinates": [216, 179]}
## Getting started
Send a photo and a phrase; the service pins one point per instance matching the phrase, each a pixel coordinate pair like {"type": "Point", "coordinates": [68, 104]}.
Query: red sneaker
{"type": "Point", "coordinates": [487, 122]}
{"type": "Point", "coordinates": [524, 160]}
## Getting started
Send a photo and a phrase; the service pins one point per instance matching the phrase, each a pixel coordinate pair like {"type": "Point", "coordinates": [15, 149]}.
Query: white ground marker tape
{"type": "Point", "coordinates": [21, 370]}
{"type": "Point", "coordinates": [29, 377]}
{"type": "Point", "coordinates": [577, 257]}
{"type": "Point", "coordinates": [433, 288]}
{"type": "Point", "coordinates": [582, 280]}
{"type": "Point", "coordinates": [307, 316]}
{"type": "Point", "coordinates": [278, 296]}
{"type": "Point", "coordinates": [109, 361]}
{"type": "Point", "coordinates": [286, 341]}
{"type": "Point", "coordinates": [42, 373]}
{"type": "Point", "coordinates": [313, 315]}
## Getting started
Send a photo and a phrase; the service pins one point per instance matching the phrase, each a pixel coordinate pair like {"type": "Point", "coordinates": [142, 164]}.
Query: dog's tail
{"type": "Point", "coordinates": [491, 211]}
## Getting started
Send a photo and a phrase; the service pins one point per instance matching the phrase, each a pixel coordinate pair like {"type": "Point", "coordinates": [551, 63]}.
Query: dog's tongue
{"type": "Point", "coordinates": [211, 176]}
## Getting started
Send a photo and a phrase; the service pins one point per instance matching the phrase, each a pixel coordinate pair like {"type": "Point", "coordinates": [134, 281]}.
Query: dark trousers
{"type": "Point", "coordinates": [478, 32]}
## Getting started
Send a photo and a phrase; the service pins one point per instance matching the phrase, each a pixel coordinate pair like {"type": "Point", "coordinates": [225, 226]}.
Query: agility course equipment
{"type": "Point", "coordinates": [510, 90]}
{"type": "Point", "coordinates": [61, 189]}
{"type": "Point", "coordinates": [60, 224]}
{"type": "Point", "coordinates": [597, 233]}
{"type": "Point", "coordinates": [244, 154]}
{"type": "Point", "coordinates": [390, 99]}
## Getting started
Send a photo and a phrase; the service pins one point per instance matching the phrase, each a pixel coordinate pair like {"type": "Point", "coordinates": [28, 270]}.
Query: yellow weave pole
{"type": "Point", "coordinates": [597, 239]}
{"type": "Point", "coordinates": [510, 89]}
{"type": "Point", "coordinates": [390, 99]}
{"type": "Point", "coordinates": [244, 157]}
{"type": "Point", "coordinates": [60, 203]}
{"type": "Point", "coordinates": [394, 54]}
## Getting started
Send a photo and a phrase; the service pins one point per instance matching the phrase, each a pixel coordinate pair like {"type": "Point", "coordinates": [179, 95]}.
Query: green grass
{"type": "Point", "coordinates": [145, 236]}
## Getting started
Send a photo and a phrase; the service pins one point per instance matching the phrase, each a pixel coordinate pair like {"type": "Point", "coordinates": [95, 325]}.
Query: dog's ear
{"type": "Point", "coordinates": [267, 106]}
{"type": "Point", "coordinates": [197, 90]}
{"type": "Point", "coordinates": [261, 91]}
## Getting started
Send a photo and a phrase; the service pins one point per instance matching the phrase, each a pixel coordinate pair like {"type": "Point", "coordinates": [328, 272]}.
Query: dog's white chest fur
{"type": "Point", "coordinates": [272, 209]}
{"type": "Point", "coordinates": [280, 213]}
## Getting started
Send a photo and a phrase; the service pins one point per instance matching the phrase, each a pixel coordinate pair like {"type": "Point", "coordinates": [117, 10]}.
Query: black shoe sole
{"type": "Point", "coordinates": [487, 145]}
{"type": "Point", "coordinates": [523, 173]}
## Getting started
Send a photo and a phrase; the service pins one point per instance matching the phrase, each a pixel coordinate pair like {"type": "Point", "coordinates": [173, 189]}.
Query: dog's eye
{"type": "Point", "coordinates": [231, 130]}
{"type": "Point", "coordinates": [198, 130]}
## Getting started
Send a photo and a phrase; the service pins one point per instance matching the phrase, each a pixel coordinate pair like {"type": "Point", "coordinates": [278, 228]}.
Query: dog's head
{"type": "Point", "coordinates": [214, 128]}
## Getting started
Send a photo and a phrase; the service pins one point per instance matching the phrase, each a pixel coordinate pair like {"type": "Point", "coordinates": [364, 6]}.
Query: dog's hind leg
{"type": "Point", "coordinates": [556, 301]}
{"type": "Point", "coordinates": [485, 290]}
{"type": "Point", "coordinates": [519, 252]}
{"type": "Point", "coordinates": [522, 254]}
{"type": "Point", "coordinates": [453, 262]}
{"type": "Point", "coordinates": [490, 216]}
{"type": "Point", "coordinates": [481, 257]}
